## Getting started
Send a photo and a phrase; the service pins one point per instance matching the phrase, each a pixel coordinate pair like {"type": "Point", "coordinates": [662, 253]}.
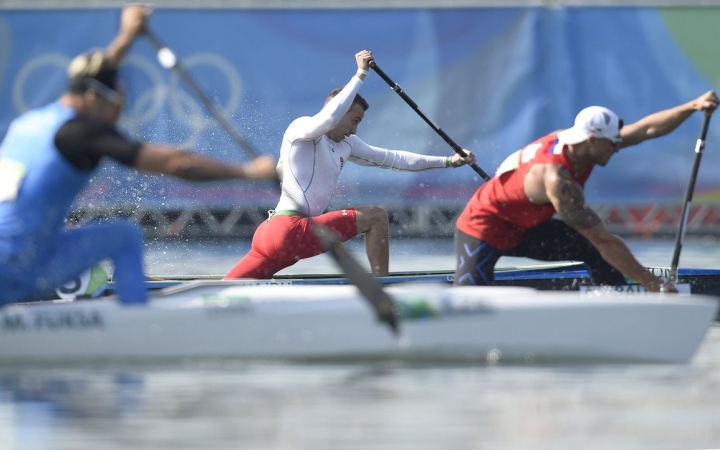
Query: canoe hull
{"type": "Point", "coordinates": [494, 324]}
{"type": "Point", "coordinates": [552, 277]}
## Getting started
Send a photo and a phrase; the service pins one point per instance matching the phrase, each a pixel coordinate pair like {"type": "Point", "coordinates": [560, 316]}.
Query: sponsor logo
{"type": "Point", "coordinates": [660, 272]}
{"type": "Point", "coordinates": [416, 308]}
{"type": "Point", "coordinates": [636, 289]}
{"type": "Point", "coordinates": [420, 308]}
{"type": "Point", "coordinates": [220, 304]}
{"type": "Point", "coordinates": [342, 162]}
{"type": "Point", "coordinates": [627, 289]}
{"type": "Point", "coordinates": [262, 282]}
{"type": "Point", "coordinates": [465, 306]}
{"type": "Point", "coordinates": [89, 283]}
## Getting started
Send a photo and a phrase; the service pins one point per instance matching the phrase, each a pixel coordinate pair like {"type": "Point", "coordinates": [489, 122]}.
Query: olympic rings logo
{"type": "Point", "coordinates": [158, 92]}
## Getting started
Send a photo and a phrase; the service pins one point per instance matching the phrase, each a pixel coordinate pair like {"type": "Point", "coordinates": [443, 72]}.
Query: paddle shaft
{"type": "Point", "coordinates": [396, 87]}
{"type": "Point", "coordinates": [172, 63]}
{"type": "Point", "coordinates": [370, 288]}
{"type": "Point", "coordinates": [682, 228]}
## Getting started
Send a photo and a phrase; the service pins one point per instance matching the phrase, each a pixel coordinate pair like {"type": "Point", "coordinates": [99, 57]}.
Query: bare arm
{"type": "Point", "coordinates": [192, 167]}
{"type": "Point", "coordinates": [569, 201]}
{"type": "Point", "coordinates": [663, 122]}
{"type": "Point", "coordinates": [132, 24]}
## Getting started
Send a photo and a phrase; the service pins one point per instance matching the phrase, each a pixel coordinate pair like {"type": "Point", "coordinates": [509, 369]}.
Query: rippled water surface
{"type": "Point", "coordinates": [221, 404]}
{"type": "Point", "coordinates": [214, 258]}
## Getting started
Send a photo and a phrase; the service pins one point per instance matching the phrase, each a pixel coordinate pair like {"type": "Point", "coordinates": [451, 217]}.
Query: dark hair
{"type": "Point", "coordinates": [91, 65]}
{"type": "Point", "coordinates": [358, 99]}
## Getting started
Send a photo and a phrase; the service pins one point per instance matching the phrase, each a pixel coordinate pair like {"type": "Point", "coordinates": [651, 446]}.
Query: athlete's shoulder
{"type": "Point", "coordinates": [545, 149]}
{"type": "Point", "coordinates": [39, 122]}
{"type": "Point", "coordinates": [298, 128]}
{"type": "Point", "coordinates": [79, 127]}
{"type": "Point", "coordinates": [509, 164]}
{"type": "Point", "coordinates": [547, 146]}
{"type": "Point", "coordinates": [298, 121]}
{"type": "Point", "coordinates": [548, 138]}
{"type": "Point", "coordinates": [354, 140]}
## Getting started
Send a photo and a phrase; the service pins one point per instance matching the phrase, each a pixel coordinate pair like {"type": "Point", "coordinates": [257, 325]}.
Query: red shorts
{"type": "Point", "coordinates": [283, 240]}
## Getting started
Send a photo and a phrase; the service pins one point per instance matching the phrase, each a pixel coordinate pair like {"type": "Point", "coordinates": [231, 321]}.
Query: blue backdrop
{"type": "Point", "coordinates": [493, 79]}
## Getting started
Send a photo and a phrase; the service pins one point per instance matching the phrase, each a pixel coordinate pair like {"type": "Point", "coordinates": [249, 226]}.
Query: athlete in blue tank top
{"type": "Point", "coordinates": [48, 156]}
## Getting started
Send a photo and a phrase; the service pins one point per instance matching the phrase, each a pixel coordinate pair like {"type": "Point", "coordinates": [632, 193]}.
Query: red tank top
{"type": "Point", "coordinates": [500, 212]}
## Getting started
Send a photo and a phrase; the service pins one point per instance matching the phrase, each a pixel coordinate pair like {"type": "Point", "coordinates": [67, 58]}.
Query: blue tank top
{"type": "Point", "coordinates": [37, 184]}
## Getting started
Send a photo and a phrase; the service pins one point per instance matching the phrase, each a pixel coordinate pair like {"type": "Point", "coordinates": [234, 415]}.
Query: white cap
{"type": "Point", "coordinates": [592, 121]}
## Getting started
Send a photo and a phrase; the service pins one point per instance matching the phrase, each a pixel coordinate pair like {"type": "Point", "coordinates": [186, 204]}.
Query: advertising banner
{"type": "Point", "coordinates": [494, 79]}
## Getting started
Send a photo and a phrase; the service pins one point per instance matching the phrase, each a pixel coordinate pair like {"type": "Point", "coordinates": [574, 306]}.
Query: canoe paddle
{"type": "Point", "coordinates": [396, 87]}
{"type": "Point", "coordinates": [682, 228]}
{"type": "Point", "coordinates": [366, 283]}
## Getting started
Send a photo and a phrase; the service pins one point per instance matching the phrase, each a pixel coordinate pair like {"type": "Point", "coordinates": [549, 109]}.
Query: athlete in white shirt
{"type": "Point", "coordinates": [313, 153]}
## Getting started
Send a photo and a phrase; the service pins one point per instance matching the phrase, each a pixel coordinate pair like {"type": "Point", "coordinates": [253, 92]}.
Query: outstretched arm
{"type": "Point", "coordinates": [192, 167]}
{"type": "Point", "coordinates": [85, 142]}
{"type": "Point", "coordinates": [368, 155]}
{"type": "Point", "coordinates": [133, 20]}
{"type": "Point", "coordinates": [569, 201]}
{"type": "Point", "coordinates": [663, 122]}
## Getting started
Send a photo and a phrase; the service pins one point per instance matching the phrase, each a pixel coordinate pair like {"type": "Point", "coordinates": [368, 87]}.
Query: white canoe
{"type": "Point", "coordinates": [219, 319]}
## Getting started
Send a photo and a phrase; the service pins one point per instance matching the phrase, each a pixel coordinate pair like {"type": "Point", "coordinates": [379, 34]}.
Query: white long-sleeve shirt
{"type": "Point", "coordinates": [310, 163]}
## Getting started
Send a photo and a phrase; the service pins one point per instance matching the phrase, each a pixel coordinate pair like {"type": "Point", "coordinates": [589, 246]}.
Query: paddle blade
{"type": "Point", "coordinates": [369, 287]}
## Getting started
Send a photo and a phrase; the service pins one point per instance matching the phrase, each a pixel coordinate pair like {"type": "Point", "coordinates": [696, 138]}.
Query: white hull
{"type": "Point", "coordinates": [212, 319]}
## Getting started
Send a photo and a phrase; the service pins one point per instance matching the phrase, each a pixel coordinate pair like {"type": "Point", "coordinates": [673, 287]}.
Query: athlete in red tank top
{"type": "Point", "coordinates": [500, 211]}
{"type": "Point", "coordinates": [512, 214]}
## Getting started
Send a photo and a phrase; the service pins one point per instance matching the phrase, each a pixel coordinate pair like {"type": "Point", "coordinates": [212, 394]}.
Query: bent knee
{"type": "Point", "coordinates": [373, 213]}
{"type": "Point", "coordinates": [368, 217]}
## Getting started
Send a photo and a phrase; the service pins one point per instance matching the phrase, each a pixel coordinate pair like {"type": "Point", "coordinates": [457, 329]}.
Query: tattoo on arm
{"type": "Point", "coordinates": [571, 204]}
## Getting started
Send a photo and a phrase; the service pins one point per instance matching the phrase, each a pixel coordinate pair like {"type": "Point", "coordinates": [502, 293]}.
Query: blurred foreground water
{"type": "Point", "coordinates": [230, 404]}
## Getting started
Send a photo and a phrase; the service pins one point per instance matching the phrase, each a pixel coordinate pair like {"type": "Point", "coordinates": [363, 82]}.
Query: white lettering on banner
{"type": "Point", "coordinates": [52, 321]}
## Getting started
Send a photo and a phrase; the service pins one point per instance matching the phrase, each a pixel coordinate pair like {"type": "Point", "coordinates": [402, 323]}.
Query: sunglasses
{"type": "Point", "coordinates": [618, 140]}
{"type": "Point", "coordinates": [614, 140]}
{"type": "Point", "coordinates": [111, 95]}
